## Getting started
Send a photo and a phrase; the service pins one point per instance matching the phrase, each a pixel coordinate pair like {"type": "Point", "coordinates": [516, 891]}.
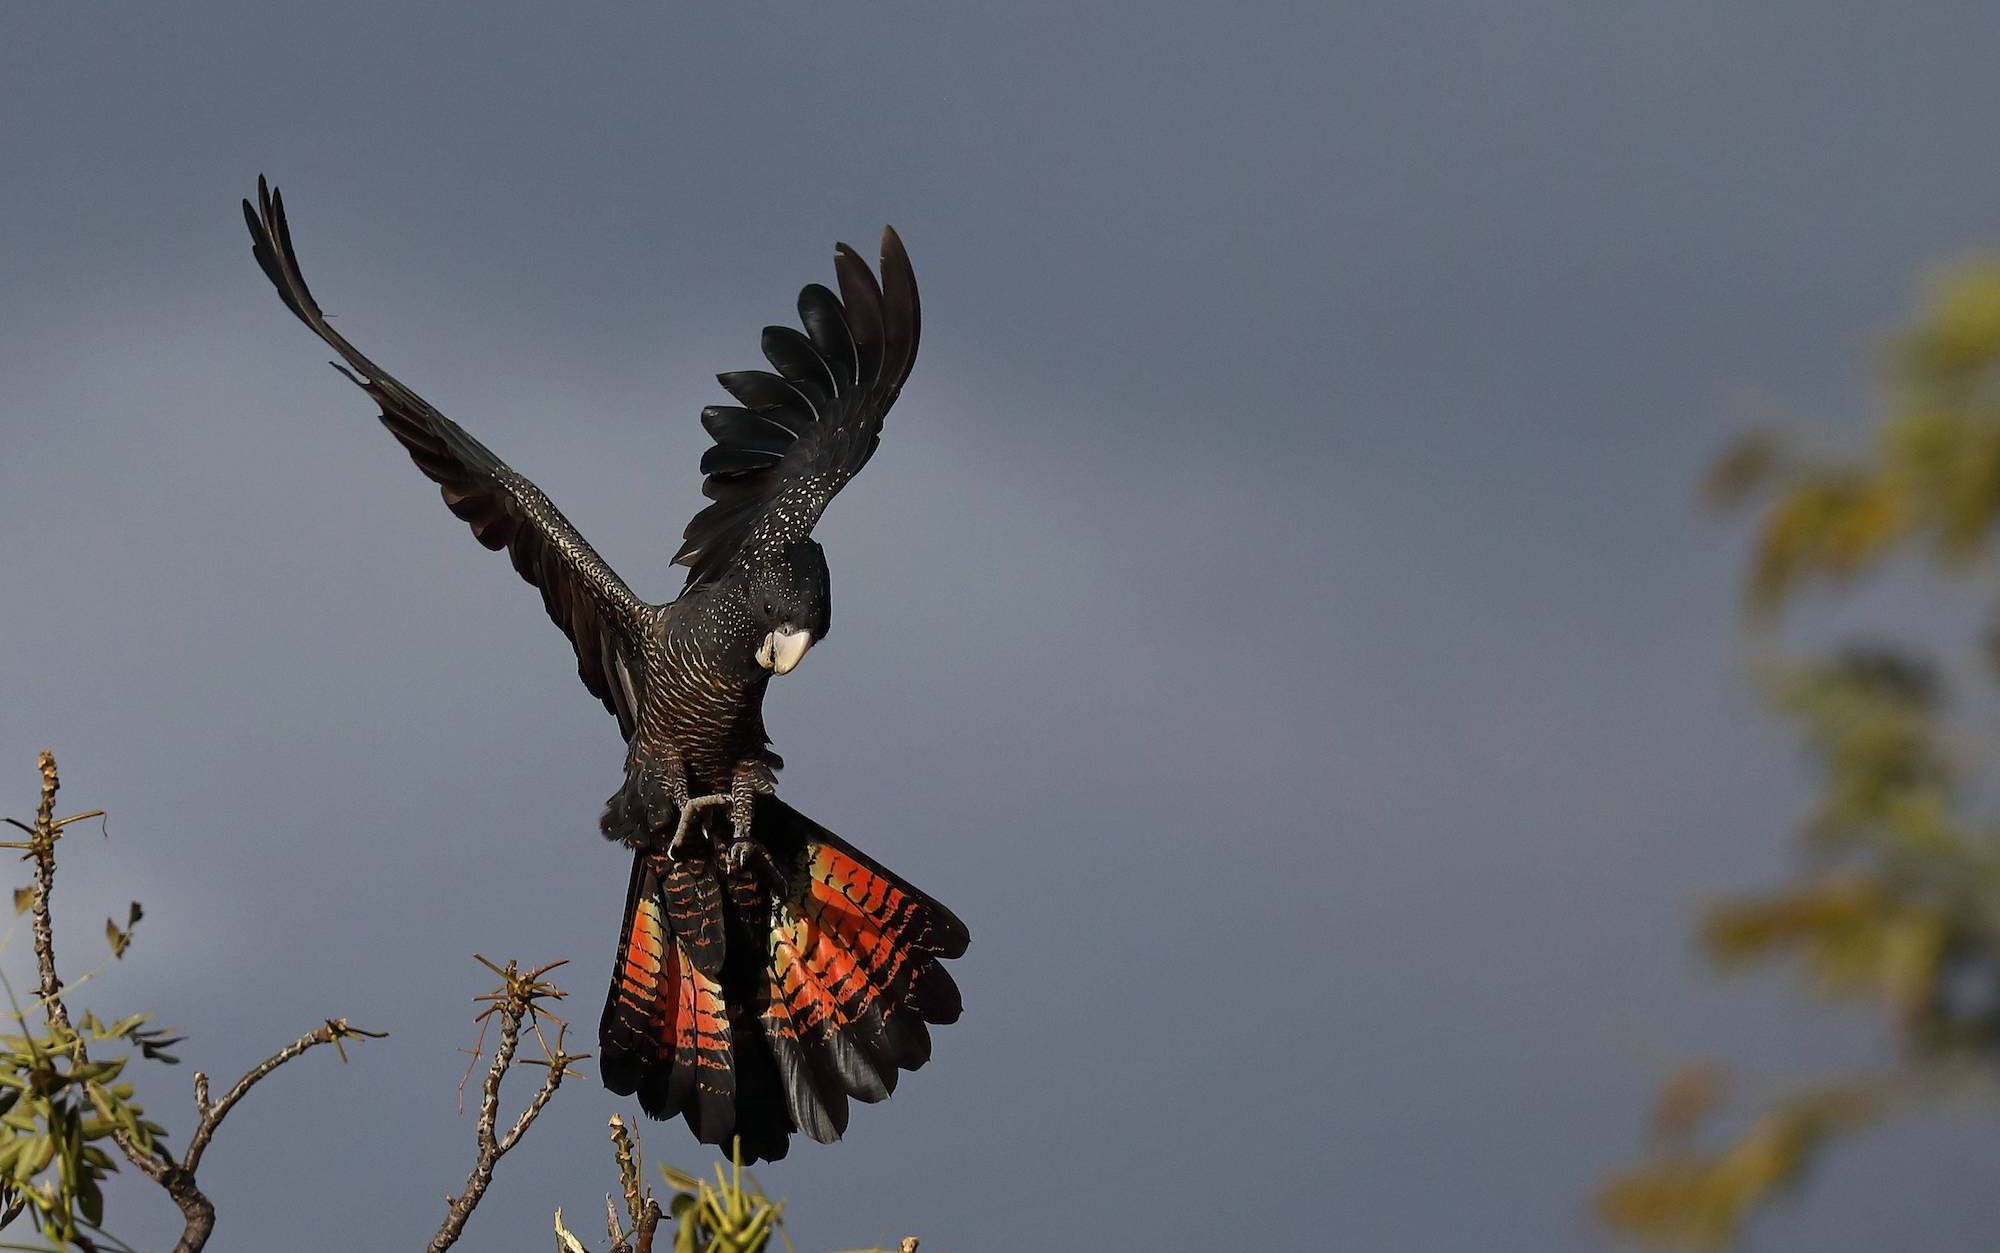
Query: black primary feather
{"type": "Point", "coordinates": [831, 389]}
{"type": "Point", "coordinates": [602, 618]}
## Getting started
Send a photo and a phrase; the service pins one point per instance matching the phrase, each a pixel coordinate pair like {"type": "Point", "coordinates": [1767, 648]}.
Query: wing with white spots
{"type": "Point", "coordinates": [592, 605]}
{"type": "Point", "coordinates": [800, 430]}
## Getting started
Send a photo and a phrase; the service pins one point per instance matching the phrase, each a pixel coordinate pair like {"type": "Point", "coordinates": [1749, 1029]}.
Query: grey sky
{"type": "Point", "coordinates": [1275, 622]}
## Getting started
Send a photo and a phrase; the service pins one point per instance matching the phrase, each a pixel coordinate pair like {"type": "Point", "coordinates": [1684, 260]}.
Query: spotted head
{"type": "Point", "coordinates": [791, 601]}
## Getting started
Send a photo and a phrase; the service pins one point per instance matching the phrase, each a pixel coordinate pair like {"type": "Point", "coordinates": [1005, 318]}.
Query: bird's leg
{"type": "Point", "coordinates": [676, 848]}
{"type": "Point", "coordinates": [665, 778]}
{"type": "Point", "coordinates": [743, 850]}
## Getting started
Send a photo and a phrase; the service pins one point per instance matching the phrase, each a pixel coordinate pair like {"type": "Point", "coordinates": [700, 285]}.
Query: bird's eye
{"type": "Point", "coordinates": [767, 607]}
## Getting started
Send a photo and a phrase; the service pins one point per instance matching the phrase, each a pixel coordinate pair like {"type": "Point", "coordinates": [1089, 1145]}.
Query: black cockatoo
{"type": "Point", "coordinates": [767, 970]}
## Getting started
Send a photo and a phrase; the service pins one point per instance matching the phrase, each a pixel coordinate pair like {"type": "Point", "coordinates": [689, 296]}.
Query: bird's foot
{"type": "Point", "coordinates": [688, 807]}
{"type": "Point", "coordinates": [745, 853]}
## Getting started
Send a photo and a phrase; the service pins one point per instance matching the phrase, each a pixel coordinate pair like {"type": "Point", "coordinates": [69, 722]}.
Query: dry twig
{"type": "Point", "coordinates": [154, 1161]}
{"type": "Point", "coordinates": [515, 1002]}
{"type": "Point", "coordinates": [640, 1206]}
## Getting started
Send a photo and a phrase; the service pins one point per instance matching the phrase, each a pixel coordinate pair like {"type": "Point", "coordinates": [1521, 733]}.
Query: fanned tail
{"type": "Point", "coordinates": [756, 1015]}
{"type": "Point", "coordinates": [665, 1034]}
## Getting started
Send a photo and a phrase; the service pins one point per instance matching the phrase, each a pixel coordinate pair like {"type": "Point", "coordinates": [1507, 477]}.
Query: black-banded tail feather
{"type": "Point", "coordinates": [665, 1033]}
{"type": "Point", "coordinates": [756, 1014]}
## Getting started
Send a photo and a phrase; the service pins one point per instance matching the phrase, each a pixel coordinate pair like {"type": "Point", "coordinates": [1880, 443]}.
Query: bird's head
{"type": "Point", "coordinates": [791, 599]}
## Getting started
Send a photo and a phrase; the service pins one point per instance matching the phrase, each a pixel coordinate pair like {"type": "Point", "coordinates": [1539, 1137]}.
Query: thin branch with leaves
{"type": "Point", "coordinates": [57, 1104]}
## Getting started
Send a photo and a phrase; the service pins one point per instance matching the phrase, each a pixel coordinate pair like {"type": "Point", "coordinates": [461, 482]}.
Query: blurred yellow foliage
{"type": "Point", "coordinates": [1897, 904]}
{"type": "Point", "coordinates": [1684, 1198]}
{"type": "Point", "coordinates": [1934, 475]}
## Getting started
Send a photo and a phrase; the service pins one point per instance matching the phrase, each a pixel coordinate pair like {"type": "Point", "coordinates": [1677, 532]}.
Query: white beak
{"type": "Point", "coordinates": [781, 650]}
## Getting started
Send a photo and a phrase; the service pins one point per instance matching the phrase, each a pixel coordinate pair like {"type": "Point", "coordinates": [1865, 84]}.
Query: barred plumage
{"type": "Point", "coordinates": [767, 972]}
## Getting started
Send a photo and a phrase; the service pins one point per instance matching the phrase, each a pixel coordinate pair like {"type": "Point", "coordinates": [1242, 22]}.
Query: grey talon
{"type": "Point", "coordinates": [676, 847]}
{"type": "Point", "coordinates": [745, 853]}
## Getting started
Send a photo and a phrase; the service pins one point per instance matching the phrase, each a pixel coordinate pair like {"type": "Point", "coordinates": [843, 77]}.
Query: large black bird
{"type": "Point", "coordinates": [768, 971]}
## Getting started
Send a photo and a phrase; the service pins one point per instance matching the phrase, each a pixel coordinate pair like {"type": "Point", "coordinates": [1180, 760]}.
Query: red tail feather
{"type": "Point", "coordinates": [759, 1017]}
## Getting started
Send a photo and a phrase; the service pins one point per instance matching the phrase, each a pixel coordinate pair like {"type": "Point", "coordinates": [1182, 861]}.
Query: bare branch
{"type": "Point", "coordinates": [333, 1032]}
{"type": "Point", "coordinates": [640, 1206]}
{"type": "Point", "coordinates": [627, 1153]}
{"type": "Point", "coordinates": [489, 1104]}
{"type": "Point", "coordinates": [473, 1055]}
{"type": "Point", "coordinates": [528, 1115]}
{"type": "Point", "coordinates": [649, 1222]}
{"type": "Point", "coordinates": [42, 848]}
{"type": "Point", "coordinates": [517, 1000]}
{"type": "Point", "coordinates": [640, 1238]}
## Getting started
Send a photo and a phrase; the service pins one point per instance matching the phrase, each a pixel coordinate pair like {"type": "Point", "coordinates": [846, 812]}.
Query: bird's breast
{"type": "Point", "coordinates": [708, 714]}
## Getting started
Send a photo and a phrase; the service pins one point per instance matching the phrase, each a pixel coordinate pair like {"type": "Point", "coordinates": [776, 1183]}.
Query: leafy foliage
{"type": "Point", "coordinates": [62, 1110]}
{"type": "Point", "coordinates": [728, 1217]}
{"type": "Point", "coordinates": [58, 1116]}
{"type": "Point", "coordinates": [1931, 480]}
{"type": "Point", "coordinates": [732, 1215]}
{"type": "Point", "coordinates": [1896, 906]}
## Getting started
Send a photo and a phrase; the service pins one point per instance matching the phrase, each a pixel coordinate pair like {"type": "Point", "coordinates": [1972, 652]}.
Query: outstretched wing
{"type": "Point", "coordinates": [795, 436]}
{"type": "Point", "coordinates": [599, 614]}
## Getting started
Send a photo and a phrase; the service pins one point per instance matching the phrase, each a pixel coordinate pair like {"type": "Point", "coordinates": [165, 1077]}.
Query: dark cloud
{"type": "Point", "coordinates": [1276, 620]}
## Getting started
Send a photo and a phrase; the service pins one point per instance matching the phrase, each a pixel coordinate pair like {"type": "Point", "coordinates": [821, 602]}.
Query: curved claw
{"type": "Point", "coordinates": [745, 852]}
{"type": "Point", "coordinates": [677, 847]}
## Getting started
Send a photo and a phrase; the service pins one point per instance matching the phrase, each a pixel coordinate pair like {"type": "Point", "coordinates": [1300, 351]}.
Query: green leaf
{"type": "Point", "coordinates": [35, 1156]}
